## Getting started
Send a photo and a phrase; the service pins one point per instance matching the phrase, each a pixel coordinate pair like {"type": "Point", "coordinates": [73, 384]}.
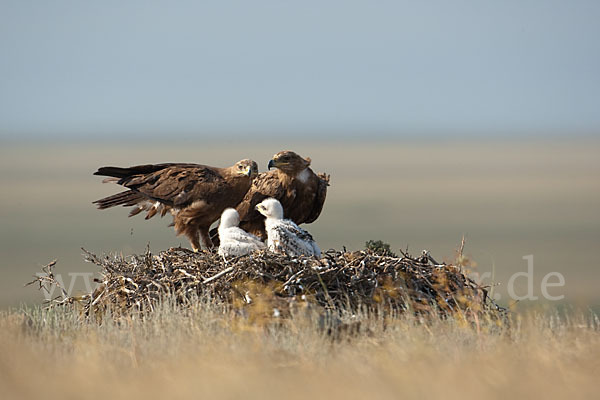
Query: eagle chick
{"type": "Point", "coordinates": [235, 241]}
{"type": "Point", "coordinates": [283, 235]}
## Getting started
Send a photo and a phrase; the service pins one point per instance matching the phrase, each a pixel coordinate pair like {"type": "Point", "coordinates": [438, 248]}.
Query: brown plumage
{"type": "Point", "coordinates": [194, 194]}
{"type": "Point", "coordinates": [300, 191]}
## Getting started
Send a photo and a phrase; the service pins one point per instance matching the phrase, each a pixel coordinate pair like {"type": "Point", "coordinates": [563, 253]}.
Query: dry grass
{"type": "Point", "coordinates": [207, 351]}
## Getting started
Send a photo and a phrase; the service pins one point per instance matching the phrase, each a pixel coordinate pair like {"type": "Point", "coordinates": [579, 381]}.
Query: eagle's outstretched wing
{"type": "Point", "coordinates": [122, 174]}
{"type": "Point", "coordinates": [195, 194]}
{"type": "Point", "coordinates": [161, 187]}
{"type": "Point", "coordinates": [178, 186]}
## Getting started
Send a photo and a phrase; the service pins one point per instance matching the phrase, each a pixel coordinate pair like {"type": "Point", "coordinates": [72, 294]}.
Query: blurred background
{"type": "Point", "coordinates": [435, 120]}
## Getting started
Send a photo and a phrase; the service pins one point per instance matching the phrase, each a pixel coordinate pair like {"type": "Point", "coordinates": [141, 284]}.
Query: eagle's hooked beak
{"type": "Point", "coordinates": [271, 164]}
{"type": "Point", "coordinates": [249, 170]}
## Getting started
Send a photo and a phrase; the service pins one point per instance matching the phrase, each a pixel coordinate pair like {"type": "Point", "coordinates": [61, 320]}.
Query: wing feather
{"type": "Point", "coordinates": [237, 242]}
{"type": "Point", "coordinates": [287, 237]}
{"type": "Point", "coordinates": [291, 229]}
{"type": "Point", "coordinates": [239, 235]}
{"type": "Point", "coordinates": [317, 206]}
{"type": "Point", "coordinates": [177, 185]}
{"type": "Point", "coordinates": [265, 185]}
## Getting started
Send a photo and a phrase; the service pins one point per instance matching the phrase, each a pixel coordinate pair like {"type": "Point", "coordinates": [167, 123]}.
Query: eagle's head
{"type": "Point", "coordinates": [270, 208]}
{"type": "Point", "coordinates": [246, 167]}
{"type": "Point", "coordinates": [229, 218]}
{"type": "Point", "coordinates": [289, 162]}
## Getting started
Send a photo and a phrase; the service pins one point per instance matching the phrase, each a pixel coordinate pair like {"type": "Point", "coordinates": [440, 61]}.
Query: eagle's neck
{"type": "Point", "coordinates": [303, 175]}
{"type": "Point", "coordinates": [231, 173]}
{"type": "Point", "coordinates": [284, 177]}
{"type": "Point", "coordinates": [271, 222]}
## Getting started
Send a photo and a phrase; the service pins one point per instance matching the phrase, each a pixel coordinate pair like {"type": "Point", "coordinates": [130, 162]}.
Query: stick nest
{"type": "Point", "coordinates": [369, 280]}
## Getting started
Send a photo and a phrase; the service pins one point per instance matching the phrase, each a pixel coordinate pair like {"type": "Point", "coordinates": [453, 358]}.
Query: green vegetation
{"type": "Point", "coordinates": [380, 248]}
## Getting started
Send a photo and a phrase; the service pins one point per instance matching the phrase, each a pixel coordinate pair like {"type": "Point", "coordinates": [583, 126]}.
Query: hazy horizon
{"type": "Point", "coordinates": [325, 137]}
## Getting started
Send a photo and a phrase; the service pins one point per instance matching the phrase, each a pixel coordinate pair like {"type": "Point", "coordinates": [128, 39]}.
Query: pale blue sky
{"type": "Point", "coordinates": [136, 68]}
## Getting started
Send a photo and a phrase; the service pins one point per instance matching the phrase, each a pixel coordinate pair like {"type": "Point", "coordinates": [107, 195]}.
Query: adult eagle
{"type": "Point", "coordinates": [300, 191]}
{"type": "Point", "coordinates": [194, 194]}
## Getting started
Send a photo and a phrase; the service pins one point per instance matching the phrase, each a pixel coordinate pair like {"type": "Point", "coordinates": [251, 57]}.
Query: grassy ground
{"type": "Point", "coordinates": [207, 352]}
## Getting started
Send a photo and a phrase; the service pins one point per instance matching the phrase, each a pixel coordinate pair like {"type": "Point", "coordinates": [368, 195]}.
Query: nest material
{"type": "Point", "coordinates": [338, 281]}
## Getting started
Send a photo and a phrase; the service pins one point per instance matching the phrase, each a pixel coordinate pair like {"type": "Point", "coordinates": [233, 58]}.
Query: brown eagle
{"type": "Point", "coordinates": [194, 194]}
{"type": "Point", "coordinates": [300, 191]}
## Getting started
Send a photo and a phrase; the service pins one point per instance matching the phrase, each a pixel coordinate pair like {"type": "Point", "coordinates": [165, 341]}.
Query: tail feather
{"type": "Point", "coordinates": [152, 212]}
{"type": "Point", "coordinates": [126, 199]}
{"type": "Point", "coordinates": [152, 208]}
{"type": "Point", "coordinates": [136, 210]}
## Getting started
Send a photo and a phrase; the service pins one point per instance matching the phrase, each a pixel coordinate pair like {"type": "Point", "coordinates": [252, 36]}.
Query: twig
{"type": "Point", "coordinates": [217, 276]}
{"type": "Point", "coordinates": [462, 246]}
